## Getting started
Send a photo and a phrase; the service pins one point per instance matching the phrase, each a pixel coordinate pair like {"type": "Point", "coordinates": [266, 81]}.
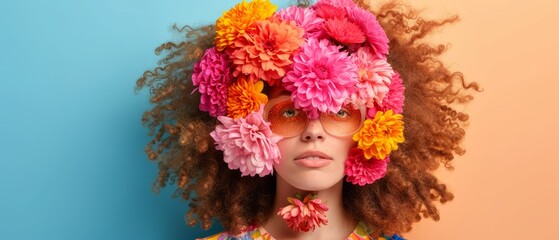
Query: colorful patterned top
{"type": "Point", "coordinates": [259, 233]}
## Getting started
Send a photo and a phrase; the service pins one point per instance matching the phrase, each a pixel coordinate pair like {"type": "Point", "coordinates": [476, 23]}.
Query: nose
{"type": "Point", "coordinates": [313, 132]}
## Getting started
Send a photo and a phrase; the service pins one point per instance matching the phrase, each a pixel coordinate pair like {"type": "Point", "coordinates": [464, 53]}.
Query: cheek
{"type": "Point", "coordinates": [344, 144]}
{"type": "Point", "coordinates": [286, 148]}
{"type": "Point", "coordinates": [343, 147]}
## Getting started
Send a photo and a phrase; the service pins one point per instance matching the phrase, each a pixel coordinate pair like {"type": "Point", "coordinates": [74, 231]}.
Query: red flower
{"type": "Point", "coordinates": [344, 31]}
{"type": "Point", "coordinates": [328, 11]}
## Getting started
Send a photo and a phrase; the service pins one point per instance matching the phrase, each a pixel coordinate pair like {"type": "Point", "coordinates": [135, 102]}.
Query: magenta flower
{"type": "Point", "coordinates": [247, 144]}
{"type": "Point", "coordinates": [374, 77]}
{"type": "Point", "coordinates": [304, 216]}
{"type": "Point", "coordinates": [211, 75]}
{"type": "Point", "coordinates": [370, 26]}
{"type": "Point", "coordinates": [305, 18]}
{"type": "Point", "coordinates": [322, 77]}
{"type": "Point", "coordinates": [361, 171]}
{"type": "Point", "coordinates": [394, 99]}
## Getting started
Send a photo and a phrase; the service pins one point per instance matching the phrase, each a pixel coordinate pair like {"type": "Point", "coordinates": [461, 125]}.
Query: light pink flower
{"type": "Point", "coordinates": [305, 18]}
{"type": "Point", "coordinates": [247, 144]}
{"type": "Point", "coordinates": [370, 26]}
{"type": "Point", "coordinates": [212, 76]}
{"type": "Point", "coordinates": [322, 77]}
{"type": "Point", "coordinates": [361, 171]}
{"type": "Point", "coordinates": [304, 216]}
{"type": "Point", "coordinates": [394, 99]}
{"type": "Point", "coordinates": [374, 77]}
{"type": "Point", "coordinates": [266, 51]}
{"type": "Point", "coordinates": [343, 31]}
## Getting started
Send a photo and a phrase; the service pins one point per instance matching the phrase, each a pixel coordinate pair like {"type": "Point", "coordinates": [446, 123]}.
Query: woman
{"type": "Point", "coordinates": [290, 124]}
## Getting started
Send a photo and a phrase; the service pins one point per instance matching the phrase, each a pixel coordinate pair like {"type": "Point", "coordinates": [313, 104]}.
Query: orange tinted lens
{"type": "Point", "coordinates": [285, 119]}
{"type": "Point", "coordinates": [345, 122]}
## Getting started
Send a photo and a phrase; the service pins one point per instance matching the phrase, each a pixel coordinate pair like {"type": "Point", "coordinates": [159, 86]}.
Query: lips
{"type": "Point", "coordinates": [313, 159]}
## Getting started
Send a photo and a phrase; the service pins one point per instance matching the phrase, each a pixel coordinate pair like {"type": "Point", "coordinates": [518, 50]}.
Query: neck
{"type": "Point", "coordinates": [339, 224]}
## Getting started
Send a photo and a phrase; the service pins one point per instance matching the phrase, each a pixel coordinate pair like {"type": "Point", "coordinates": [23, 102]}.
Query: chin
{"type": "Point", "coordinates": [313, 181]}
{"type": "Point", "coordinates": [314, 187]}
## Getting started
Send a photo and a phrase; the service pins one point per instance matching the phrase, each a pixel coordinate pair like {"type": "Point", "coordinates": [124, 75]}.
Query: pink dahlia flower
{"type": "Point", "coordinates": [394, 99]}
{"type": "Point", "coordinates": [265, 52]}
{"type": "Point", "coordinates": [211, 75]}
{"type": "Point", "coordinates": [304, 216]}
{"type": "Point", "coordinates": [344, 31]}
{"type": "Point", "coordinates": [375, 75]}
{"type": "Point", "coordinates": [305, 18]}
{"type": "Point", "coordinates": [247, 144]}
{"type": "Point", "coordinates": [322, 77]}
{"type": "Point", "coordinates": [361, 171]}
{"type": "Point", "coordinates": [370, 26]}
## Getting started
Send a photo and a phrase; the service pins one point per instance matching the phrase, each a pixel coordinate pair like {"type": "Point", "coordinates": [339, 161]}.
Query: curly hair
{"type": "Point", "coordinates": [434, 132]}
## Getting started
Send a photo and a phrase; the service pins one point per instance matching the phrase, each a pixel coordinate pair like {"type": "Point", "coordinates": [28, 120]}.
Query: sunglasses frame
{"type": "Point", "coordinates": [274, 101]}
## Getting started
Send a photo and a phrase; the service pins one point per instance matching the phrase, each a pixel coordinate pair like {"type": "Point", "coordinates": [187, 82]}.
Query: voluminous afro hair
{"type": "Point", "coordinates": [434, 131]}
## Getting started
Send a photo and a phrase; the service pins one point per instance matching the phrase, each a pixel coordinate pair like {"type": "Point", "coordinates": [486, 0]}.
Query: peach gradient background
{"type": "Point", "coordinates": [506, 186]}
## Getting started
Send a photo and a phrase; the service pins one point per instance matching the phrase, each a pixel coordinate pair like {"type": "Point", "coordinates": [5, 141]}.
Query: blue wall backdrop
{"type": "Point", "coordinates": [72, 164]}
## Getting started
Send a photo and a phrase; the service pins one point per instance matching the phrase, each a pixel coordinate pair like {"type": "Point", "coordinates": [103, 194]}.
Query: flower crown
{"type": "Point", "coordinates": [324, 55]}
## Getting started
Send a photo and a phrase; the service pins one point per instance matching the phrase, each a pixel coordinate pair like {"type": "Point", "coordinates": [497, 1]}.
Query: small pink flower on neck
{"type": "Point", "coordinates": [305, 215]}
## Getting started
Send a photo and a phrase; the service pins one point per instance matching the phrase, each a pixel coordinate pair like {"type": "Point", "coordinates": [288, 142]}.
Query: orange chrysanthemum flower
{"type": "Point", "coordinates": [266, 51]}
{"type": "Point", "coordinates": [379, 136]}
{"type": "Point", "coordinates": [244, 96]}
{"type": "Point", "coordinates": [239, 19]}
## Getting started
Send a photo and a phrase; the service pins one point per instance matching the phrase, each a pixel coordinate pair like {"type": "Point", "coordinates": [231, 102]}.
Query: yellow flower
{"type": "Point", "coordinates": [244, 96]}
{"type": "Point", "coordinates": [239, 19]}
{"type": "Point", "coordinates": [379, 136]}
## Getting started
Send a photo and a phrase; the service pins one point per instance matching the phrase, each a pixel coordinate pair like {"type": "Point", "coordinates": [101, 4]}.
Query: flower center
{"type": "Point", "coordinates": [254, 132]}
{"type": "Point", "coordinates": [321, 72]}
{"type": "Point", "coordinates": [269, 45]}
